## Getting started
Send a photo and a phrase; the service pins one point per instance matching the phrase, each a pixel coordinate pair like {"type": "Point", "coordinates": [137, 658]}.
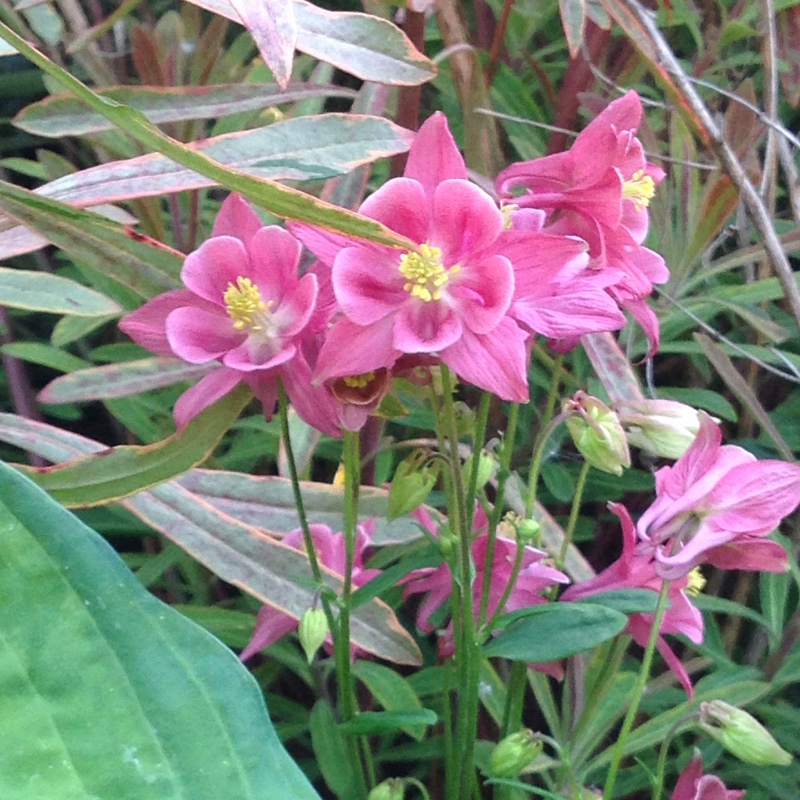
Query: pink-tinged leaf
{"type": "Point", "coordinates": [239, 553]}
{"type": "Point", "coordinates": [304, 148]}
{"type": "Point", "coordinates": [63, 115]}
{"type": "Point", "coordinates": [119, 380]}
{"type": "Point", "coordinates": [573, 18]}
{"type": "Point", "coordinates": [366, 46]}
{"type": "Point", "coordinates": [612, 367]}
{"type": "Point", "coordinates": [788, 43]}
{"type": "Point", "coordinates": [273, 26]}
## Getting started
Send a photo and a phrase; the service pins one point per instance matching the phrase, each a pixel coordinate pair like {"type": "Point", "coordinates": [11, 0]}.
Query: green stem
{"type": "Point", "coordinates": [536, 462]}
{"type": "Point", "coordinates": [477, 451]}
{"type": "Point", "coordinates": [638, 691]}
{"type": "Point", "coordinates": [573, 515]}
{"type": "Point", "coordinates": [662, 754]}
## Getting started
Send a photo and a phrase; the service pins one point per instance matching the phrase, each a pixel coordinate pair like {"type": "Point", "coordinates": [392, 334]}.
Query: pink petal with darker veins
{"type": "Point", "coordinates": [434, 156]}
{"type": "Point", "coordinates": [368, 286]}
{"type": "Point", "coordinates": [425, 327]}
{"type": "Point", "coordinates": [147, 326]}
{"type": "Point", "coordinates": [274, 255]}
{"type": "Point", "coordinates": [250, 356]}
{"type": "Point", "coordinates": [214, 266]}
{"type": "Point", "coordinates": [482, 292]}
{"type": "Point", "coordinates": [299, 306]}
{"type": "Point", "coordinates": [236, 218]}
{"type": "Point", "coordinates": [402, 206]}
{"type": "Point", "coordinates": [204, 393]}
{"type": "Point", "coordinates": [351, 349]}
{"type": "Point", "coordinates": [198, 336]}
{"type": "Point", "coordinates": [749, 553]}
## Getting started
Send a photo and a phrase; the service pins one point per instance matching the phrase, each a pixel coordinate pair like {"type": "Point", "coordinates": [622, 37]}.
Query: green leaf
{"type": "Point", "coordinates": [391, 690]}
{"type": "Point", "coordinates": [40, 291]}
{"type": "Point", "coordinates": [44, 354]}
{"type": "Point", "coordinates": [280, 200]}
{"type": "Point", "coordinates": [626, 601]}
{"type": "Point", "coordinates": [120, 380]}
{"type": "Point", "coordinates": [143, 265]}
{"type": "Point", "coordinates": [573, 19]}
{"type": "Point", "coordinates": [108, 693]}
{"type": "Point", "coordinates": [369, 722]}
{"type": "Point", "coordinates": [63, 115]}
{"type": "Point", "coordinates": [331, 752]}
{"type": "Point", "coordinates": [122, 471]}
{"type": "Point", "coordinates": [556, 630]}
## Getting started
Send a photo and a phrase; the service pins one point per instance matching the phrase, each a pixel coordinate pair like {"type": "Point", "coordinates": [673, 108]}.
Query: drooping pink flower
{"type": "Point", "coordinates": [715, 505]}
{"type": "Point", "coordinates": [273, 624]}
{"type": "Point", "coordinates": [450, 296]}
{"type": "Point", "coordinates": [599, 190]}
{"type": "Point", "coordinates": [244, 312]}
{"type": "Point", "coordinates": [533, 578]}
{"type": "Point", "coordinates": [634, 570]}
{"type": "Point", "coordinates": [694, 785]}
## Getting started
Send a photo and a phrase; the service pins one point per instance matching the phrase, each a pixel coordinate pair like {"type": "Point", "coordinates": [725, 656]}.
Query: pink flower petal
{"type": "Point", "coordinates": [236, 218]}
{"type": "Point", "coordinates": [314, 404]}
{"type": "Point", "coordinates": [204, 393]}
{"type": "Point", "coordinates": [465, 221]}
{"type": "Point", "coordinates": [425, 327]}
{"type": "Point", "coordinates": [749, 553]}
{"type": "Point", "coordinates": [351, 349]}
{"type": "Point", "coordinates": [482, 292]}
{"type": "Point", "coordinates": [401, 205]}
{"type": "Point", "coordinates": [274, 255]}
{"type": "Point", "coordinates": [325, 244]}
{"type": "Point", "coordinates": [368, 287]}
{"type": "Point", "coordinates": [250, 356]}
{"type": "Point", "coordinates": [214, 266]}
{"type": "Point", "coordinates": [299, 306]}
{"type": "Point", "coordinates": [197, 335]}
{"type": "Point", "coordinates": [434, 156]}
{"type": "Point", "coordinates": [496, 362]}
{"type": "Point", "coordinates": [271, 625]}
{"type": "Point", "coordinates": [147, 326]}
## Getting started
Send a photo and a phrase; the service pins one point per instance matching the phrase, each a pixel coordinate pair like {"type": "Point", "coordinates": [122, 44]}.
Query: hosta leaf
{"type": "Point", "coordinates": [63, 115]}
{"type": "Point", "coordinates": [41, 291]}
{"type": "Point", "coordinates": [122, 471]}
{"type": "Point", "coordinates": [120, 380]}
{"type": "Point", "coordinates": [107, 692]}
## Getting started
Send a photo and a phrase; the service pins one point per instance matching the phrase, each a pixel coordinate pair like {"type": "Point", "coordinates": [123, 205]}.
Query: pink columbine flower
{"type": "Point", "coordinates": [715, 505]}
{"type": "Point", "coordinates": [449, 296]}
{"type": "Point", "coordinates": [244, 312]}
{"type": "Point", "coordinates": [599, 191]}
{"type": "Point", "coordinates": [273, 624]}
{"type": "Point", "coordinates": [534, 577]}
{"type": "Point", "coordinates": [634, 570]}
{"type": "Point", "coordinates": [694, 785]}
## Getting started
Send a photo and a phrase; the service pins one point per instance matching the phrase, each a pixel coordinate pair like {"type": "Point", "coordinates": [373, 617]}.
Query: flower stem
{"type": "Point", "coordinates": [573, 515]}
{"type": "Point", "coordinates": [477, 450]}
{"type": "Point", "coordinates": [638, 691]}
{"type": "Point", "coordinates": [662, 754]}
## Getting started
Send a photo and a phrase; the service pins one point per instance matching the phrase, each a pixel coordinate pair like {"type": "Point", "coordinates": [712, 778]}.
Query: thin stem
{"type": "Point", "coordinates": [638, 691]}
{"type": "Point", "coordinates": [497, 40]}
{"type": "Point", "coordinates": [536, 462]}
{"type": "Point", "coordinates": [477, 451]}
{"type": "Point", "coordinates": [662, 753]}
{"type": "Point", "coordinates": [573, 515]}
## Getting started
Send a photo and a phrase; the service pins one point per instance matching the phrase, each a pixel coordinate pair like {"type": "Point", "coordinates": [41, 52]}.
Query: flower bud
{"type": "Point", "coordinates": [312, 631]}
{"type": "Point", "coordinates": [741, 734]}
{"type": "Point", "coordinates": [664, 428]}
{"type": "Point", "coordinates": [486, 468]}
{"type": "Point", "coordinates": [390, 789]}
{"type": "Point", "coordinates": [413, 480]}
{"type": "Point", "coordinates": [528, 530]}
{"type": "Point", "coordinates": [597, 433]}
{"type": "Point", "coordinates": [512, 754]}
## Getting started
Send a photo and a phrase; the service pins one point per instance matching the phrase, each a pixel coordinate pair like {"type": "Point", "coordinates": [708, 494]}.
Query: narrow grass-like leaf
{"type": "Point", "coordinates": [370, 722]}
{"type": "Point", "coordinates": [122, 471]}
{"type": "Point", "coordinates": [120, 380]}
{"type": "Point", "coordinates": [41, 291]}
{"type": "Point", "coordinates": [280, 200]}
{"type": "Point", "coordinates": [392, 691]}
{"type": "Point", "coordinates": [109, 693]}
{"type": "Point", "coordinates": [135, 261]}
{"type": "Point", "coordinates": [63, 115]}
{"type": "Point", "coordinates": [273, 26]}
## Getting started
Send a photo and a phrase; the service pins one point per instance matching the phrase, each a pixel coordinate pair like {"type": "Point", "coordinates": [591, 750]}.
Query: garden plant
{"type": "Point", "coordinates": [400, 399]}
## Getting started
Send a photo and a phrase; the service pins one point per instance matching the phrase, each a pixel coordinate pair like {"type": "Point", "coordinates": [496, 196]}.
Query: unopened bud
{"type": "Point", "coordinates": [664, 428]}
{"type": "Point", "coordinates": [741, 734]}
{"type": "Point", "coordinates": [312, 631]}
{"type": "Point", "coordinates": [528, 530]}
{"type": "Point", "coordinates": [512, 754]}
{"type": "Point", "coordinates": [597, 433]}
{"type": "Point", "coordinates": [486, 468]}
{"type": "Point", "coordinates": [413, 480]}
{"type": "Point", "coordinates": [390, 789]}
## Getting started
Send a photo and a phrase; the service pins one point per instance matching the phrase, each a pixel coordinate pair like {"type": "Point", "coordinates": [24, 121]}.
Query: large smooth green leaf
{"type": "Point", "coordinates": [299, 149]}
{"type": "Point", "coordinates": [143, 265]}
{"type": "Point", "coordinates": [122, 471]}
{"type": "Point", "coordinates": [239, 553]}
{"type": "Point", "coordinates": [556, 630]}
{"type": "Point", "coordinates": [63, 115]}
{"type": "Point", "coordinates": [40, 291]}
{"type": "Point", "coordinates": [105, 692]}
{"type": "Point", "coordinates": [280, 200]}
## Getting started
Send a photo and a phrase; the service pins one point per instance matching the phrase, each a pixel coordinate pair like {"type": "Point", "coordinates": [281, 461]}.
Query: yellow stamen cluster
{"type": "Point", "coordinates": [696, 583]}
{"type": "Point", "coordinates": [359, 381]}
{"type": "Point", "coordinates": [425, 274]}
{"type": "Point", "coordinates": [245, 305]}
{"type": "Point", "coordinates": [507, 209]}
{"type": "Point", "coordinates": [640, 189]}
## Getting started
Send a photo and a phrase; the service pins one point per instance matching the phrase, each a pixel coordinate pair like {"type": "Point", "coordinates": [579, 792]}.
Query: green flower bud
{"type": "Point", "coordinates": [390, 789]}
{"type": "Point", "coordinates": [512, 754]}
{"type": "Point", "coordinates": [741, 734]}
{"type": "Point", "coordinates": [413, 480]}
{"type": "Point", "coordinates": [486, 469]}
{"type": "Point", "coordinates": [312, 631]}
{"type": "Point", "coordinates": [597, 433]}
{"type": "Point", "coordinates": [528, 530]}
{"type": "Point", "coordinates": [664, 428]}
